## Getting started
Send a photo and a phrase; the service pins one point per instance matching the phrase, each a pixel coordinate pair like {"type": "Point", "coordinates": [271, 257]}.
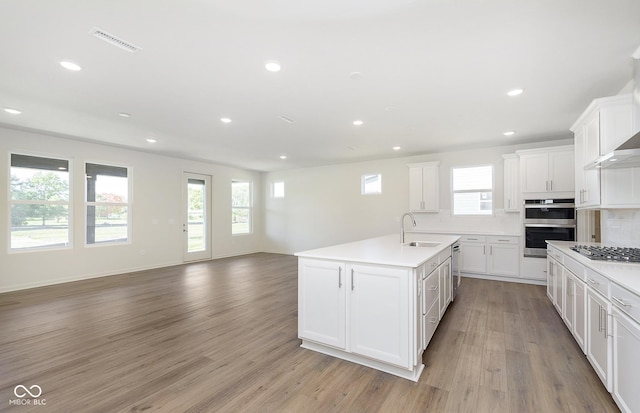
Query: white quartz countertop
{"type": "Point", "coordinates": [470, 232]}
{"type": "Point", "coordinates": [624, 274]}
{"type": "Point", "coordinates": [385, 250]}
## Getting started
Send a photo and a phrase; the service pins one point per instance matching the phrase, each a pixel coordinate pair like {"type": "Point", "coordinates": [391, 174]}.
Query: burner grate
{"type": "Point", "coordinates": [616, 254]}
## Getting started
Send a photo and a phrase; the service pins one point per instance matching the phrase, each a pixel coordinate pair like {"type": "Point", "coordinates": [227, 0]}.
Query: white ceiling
{"type": "Point", "coordinates": [433, 74]}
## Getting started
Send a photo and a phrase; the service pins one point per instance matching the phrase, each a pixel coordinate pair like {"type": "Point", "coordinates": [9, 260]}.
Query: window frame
{"type": "Point", "coordinates": [475, 190]}
{"type": "Point", "coordinates": [274, 195]}
{"type": "Point", "coordinates": [363, 184]}
{"type": "Point", "coordinates": [128, 205]}
{"type": "Point", "coordinates": [248, 207]}
{"type": "Point", "coordinates": [68, 203]}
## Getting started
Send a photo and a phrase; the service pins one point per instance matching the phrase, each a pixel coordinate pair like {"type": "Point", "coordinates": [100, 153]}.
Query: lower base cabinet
{"type": "Point", "coordinates": [599, 346]}
{"type": "Point", "coordinates": [379, 310]}
{"type": "Point", "coordinates": [604, 318]}
{"type": "Point", "coordinates": [626, 350]}
{"type": "Point", "coordinates": [375, 315]}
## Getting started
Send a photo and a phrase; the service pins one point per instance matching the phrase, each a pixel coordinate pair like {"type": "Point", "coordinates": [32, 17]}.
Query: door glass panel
{"type": "Point", "coordinates": [196, 215]}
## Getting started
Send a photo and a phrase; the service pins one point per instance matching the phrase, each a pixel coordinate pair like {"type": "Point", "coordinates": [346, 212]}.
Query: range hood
{"type": "Point", "coordinates": [626, 155]}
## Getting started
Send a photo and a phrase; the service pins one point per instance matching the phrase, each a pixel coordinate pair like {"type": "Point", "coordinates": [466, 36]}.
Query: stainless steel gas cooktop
{"type": "Point", "coordinates": [616, 254]}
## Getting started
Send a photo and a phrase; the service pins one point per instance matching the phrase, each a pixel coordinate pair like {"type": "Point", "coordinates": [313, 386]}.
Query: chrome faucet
{"type": "Point", "coordinates": [413, 221]}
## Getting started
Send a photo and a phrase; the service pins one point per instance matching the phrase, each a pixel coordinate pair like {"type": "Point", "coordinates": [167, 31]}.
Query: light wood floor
{"type": "Point", "coordinates": [221, 336]}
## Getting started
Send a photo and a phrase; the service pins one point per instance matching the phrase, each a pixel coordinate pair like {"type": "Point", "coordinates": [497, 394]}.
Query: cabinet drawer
{"type": "Point", "coordinates": [554, 253]}
{"type": "Point", "coordinates": [431, 293]}
{"type": "Point", "coordinates": [473, 238]}
{"type": "Point", "coordinates": [626, 301]}
{"type": "Point", "coordinates": [431, 322]}
{"type": "Point", "coordinates": [575, 267]}
{"type": "Point", "coordinates": [442, 257]}
{"type": "Point", "coordinates": [494, 239]}
{"type": "Point", "coordinates": [431, 265]}
{"type": "Point", "coordinates": [597, 282]}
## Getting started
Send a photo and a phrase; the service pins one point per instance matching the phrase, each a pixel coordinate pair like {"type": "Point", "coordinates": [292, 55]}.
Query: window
{"type": "Point", "coordinates": [107, 204]}
{"type": "Point", "coordinates": [277, 189]}
{"type": "Point", "coordinates": [472, 190]}
{"type": "Point", "coordinates": [371, 184]}
{"type": "Point", "coordinates": [240, 207]}
{"type": "Point", "coordinates": [39, 202]}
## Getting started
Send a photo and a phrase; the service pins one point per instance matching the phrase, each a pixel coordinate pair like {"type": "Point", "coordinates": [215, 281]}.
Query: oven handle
{"type": "Point", "coordinates": [549, 225]}
{"type": "Point", "coordinates": [549, 206]}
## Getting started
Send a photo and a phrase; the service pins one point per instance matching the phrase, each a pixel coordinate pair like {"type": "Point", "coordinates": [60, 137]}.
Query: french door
{"type": "Point", "coordinates": [196, 225]}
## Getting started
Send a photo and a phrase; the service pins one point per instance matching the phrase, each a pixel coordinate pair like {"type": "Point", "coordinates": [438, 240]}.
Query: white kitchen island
{"type": "Point", "coordinates": [375, 302]}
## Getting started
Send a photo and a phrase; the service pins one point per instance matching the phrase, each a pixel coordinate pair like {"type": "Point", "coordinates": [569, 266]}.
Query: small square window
{"type": "Point", "coordinates": [371, 184]}
{"type": "Point", "coordinates": [277, 189]}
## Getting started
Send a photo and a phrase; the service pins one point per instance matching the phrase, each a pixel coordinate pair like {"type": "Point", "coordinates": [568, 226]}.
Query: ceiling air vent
{"type": "Point", "coordinates": [114, 40]}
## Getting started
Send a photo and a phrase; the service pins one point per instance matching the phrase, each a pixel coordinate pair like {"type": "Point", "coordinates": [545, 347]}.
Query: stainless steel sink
{"type": "Point", "coordinates": [421, 244]}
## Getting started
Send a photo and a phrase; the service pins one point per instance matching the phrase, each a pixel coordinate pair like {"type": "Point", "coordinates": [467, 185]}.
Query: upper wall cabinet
{"type": "Point", "coordinates": [511, 183]}
{"type": "Point", "coordinates": [603, 126]}
{"type": "Point", "coordinates": [547, 172]}
{"type": "Point", "coordinates": [424, 187]}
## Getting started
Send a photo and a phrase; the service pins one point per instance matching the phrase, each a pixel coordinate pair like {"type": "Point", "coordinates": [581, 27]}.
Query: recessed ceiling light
{"type": "Point", "coordinates": [287, 119]}
{"type": "Point", "coordinates": [12, 111]}
{"type": "Point", "coordinates": [124, 115]}
{"type": "Point", "coordinates": [358, 122]}
{"type": "Point", "coordinates": [151, 140]}
{"type": "Point", "coordinates": [272, 66]}
{"type": "Point", "coordinates": [396, 148]}
{"type": "Point", "coordinates": [515, 92]}
{"type": "Point", "coordinates": [225, 120]}
{"type": "Point", "coordinates": [283, 156]}
{"type": "Point", "coordinates": [70, 66]}
{"type": "Point", "coordinates": [509, 133]}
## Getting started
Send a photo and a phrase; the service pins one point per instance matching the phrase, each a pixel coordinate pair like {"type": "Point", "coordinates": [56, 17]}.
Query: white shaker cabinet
{"type": "Point", "coordinates": [473, 258]}
{"type": "Point", "coordinates": [424, 187]}
{"type": "Point", "coordinates": [512, 199]}
{"type": "Point", "coordinates": [504, 255]}
{"type": "Point", "coordinates": [569, 291]}
{"type": "Point", "coordinates": [322, 302]}
{"type": "Point", "coordinates": [602, 127]}
{"type": "Point", "coordinates": [366, 310]}
{"type": "Point", "coordinates": [599, 346]}
{"type": "Point", "coordinates": [547, 172]}
{"type": "Point", "coordinates": [380, 313]}
{"type": "Point", "coordinates": [626, 346]}
{"type": "Point", "coordinates": [445, 286]}
{"type": "Point", "coordinates": [490, 254]}
{"type": "Point", "coordinates": [580, 319]}
{"type": "Point", "coordinates": [587, 148]}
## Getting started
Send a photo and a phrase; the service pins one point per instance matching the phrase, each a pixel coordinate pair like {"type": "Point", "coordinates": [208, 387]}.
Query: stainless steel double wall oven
{"type": "Point", "coordinates": [547, 219]}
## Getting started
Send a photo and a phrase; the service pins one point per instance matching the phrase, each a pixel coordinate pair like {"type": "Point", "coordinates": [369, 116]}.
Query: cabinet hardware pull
{"type": "Point", "coordinates": [352, 284]}
{"type": "Point", "coordinates": [484, 250]}
{"type": "Point", "coordinates": [592, 282]}
{"type": "Point", "coordinates": [546, 185]}
{"type": "Point", "coordinates": [606, 321]}
{"type": "Point", "coordinates": [472, 239]}
{"type": "Point", "coordinates": [599, 318]}
{"type": "Point", "coordinates": [490, 249]}
{"type": "Point", "coordinates": [433, 288]}
{"type": "Point", "coordinates": [619, 301]}
{"type": "Point", "coordinates": [551, 185]}
{"type": "Point", "coordinates": [339, 277]}
{"type": "Point", "coordinates": [503, 240]}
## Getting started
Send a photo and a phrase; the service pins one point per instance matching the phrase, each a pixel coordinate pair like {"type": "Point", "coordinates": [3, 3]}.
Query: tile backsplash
{"type": "Point", "coordinates": [620, 227]}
